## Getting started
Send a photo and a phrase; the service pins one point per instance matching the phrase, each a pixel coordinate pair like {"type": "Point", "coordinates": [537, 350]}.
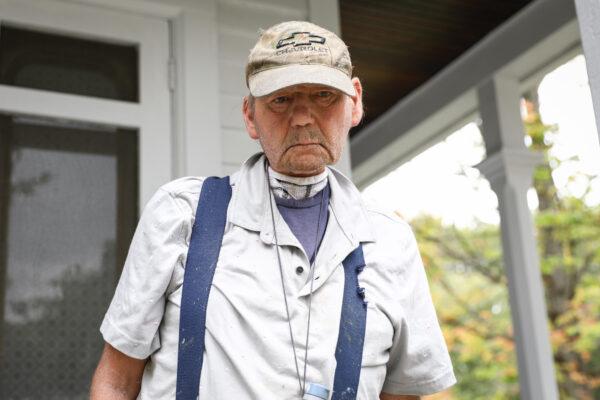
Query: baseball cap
{"type": "Point", "coordinates": [298, 52]}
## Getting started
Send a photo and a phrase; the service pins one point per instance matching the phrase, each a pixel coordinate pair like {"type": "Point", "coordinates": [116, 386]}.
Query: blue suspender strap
{"type": "Point", "coordinates": [351, 337]}
{"type": "Point", "coordinates": [203, 253]}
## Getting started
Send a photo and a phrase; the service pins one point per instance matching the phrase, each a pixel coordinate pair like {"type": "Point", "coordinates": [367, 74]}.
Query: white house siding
{"type": "Point", "coordinates": [238, 25]}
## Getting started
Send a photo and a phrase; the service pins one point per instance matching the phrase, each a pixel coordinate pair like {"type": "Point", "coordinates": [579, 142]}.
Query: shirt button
{"type": "Point", "coordinates": [299, 270]}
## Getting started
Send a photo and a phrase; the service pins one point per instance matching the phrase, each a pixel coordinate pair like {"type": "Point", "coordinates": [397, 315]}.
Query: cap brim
{"type": "Point", "coordinates": [270, 80]}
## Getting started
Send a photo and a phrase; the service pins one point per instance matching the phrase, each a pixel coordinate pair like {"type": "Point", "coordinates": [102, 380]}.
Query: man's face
{"type": "Point", "coordinates": [303, 128]}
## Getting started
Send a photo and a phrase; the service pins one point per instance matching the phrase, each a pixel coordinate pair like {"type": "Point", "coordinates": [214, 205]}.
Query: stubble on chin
{"type": "Point", "coordinates": [300, 158]}
{"type": "Point", "coordinates": [294, 157]}
{"type": "Point", "coordinates": [299, 162]}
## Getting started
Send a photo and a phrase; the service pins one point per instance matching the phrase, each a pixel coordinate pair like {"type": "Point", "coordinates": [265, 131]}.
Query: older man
{"type": "Point", "coordinates": [310, 293]}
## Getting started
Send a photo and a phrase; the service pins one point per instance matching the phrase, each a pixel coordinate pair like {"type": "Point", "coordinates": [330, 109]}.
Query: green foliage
{"type": "Point", "coordinates": [470, 289]}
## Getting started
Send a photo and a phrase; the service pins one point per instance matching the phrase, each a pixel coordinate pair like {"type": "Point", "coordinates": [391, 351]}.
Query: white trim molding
{"type": "Point", "coordinates": [196, 98]}
{"type": "Point", "coordinates": [69, 107]}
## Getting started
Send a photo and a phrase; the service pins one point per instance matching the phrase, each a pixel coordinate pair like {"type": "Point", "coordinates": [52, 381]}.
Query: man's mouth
{"type": "Point", "coordinates": [306, 144]}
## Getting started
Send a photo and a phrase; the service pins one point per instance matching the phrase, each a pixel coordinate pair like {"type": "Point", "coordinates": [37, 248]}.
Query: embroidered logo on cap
{"type": "Point", "coordinates": [300, 39]}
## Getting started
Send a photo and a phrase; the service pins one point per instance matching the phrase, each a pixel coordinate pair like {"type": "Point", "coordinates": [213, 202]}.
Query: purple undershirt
{"type": "Point", "coordinates": [302, 217]}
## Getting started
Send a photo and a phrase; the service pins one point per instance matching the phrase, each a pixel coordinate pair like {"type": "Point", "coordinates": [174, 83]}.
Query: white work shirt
{"type": "Point", "coordinates": [248, 354]}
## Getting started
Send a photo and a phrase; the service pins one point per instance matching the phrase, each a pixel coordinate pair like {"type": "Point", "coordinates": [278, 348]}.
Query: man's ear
{"type": "Point", "coordinates": [248, 112]}
{"type": "Point", "coordinates": [357, 104]}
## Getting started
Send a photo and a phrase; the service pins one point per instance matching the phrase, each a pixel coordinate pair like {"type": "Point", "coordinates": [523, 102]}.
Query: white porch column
{"type": "Point", "coordinates": [197, 126]}
{"type": "Point", "coordinates": [509, 168]}
{"type": "Point", "coordinates": [588, 14]}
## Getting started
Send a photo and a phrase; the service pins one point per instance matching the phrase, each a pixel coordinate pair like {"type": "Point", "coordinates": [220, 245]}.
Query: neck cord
{"type": "Point", "coordinates": [301, 381]}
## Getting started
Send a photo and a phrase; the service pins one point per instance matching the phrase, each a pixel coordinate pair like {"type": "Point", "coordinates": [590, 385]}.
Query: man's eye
{"type": "Point", "coordinates": [324, 94]}
{"type": "Point", "coordinates": [280, 99]}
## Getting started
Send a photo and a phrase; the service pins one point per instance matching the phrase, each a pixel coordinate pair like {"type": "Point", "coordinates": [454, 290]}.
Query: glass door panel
{"type": "Point", "coordinates": [70, 190]}
{"type": "Point", "coordinates": [68, 208]}
{"type": "Point", "coordinates": [49, 61]}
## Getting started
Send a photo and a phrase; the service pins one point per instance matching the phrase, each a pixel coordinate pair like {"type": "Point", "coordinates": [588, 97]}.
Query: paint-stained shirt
{"type": "Point", "coordinates": [248, 354]}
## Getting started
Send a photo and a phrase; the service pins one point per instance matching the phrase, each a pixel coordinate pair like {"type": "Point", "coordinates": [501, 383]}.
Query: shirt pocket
{"type": "Point", "coordinates": [378, 337]}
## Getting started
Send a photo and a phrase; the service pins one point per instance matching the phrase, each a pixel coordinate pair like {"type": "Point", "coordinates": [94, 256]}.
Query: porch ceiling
{"type": "Point", "coordinates": [398, 45]}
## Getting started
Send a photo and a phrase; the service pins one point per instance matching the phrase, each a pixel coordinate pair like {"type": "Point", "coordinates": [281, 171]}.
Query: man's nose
{"type": "Point", "coordinates": [302, 113]}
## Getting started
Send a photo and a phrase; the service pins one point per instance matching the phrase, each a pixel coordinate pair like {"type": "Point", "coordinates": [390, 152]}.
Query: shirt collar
{"type": "Point", "coordinates": [250, 203]}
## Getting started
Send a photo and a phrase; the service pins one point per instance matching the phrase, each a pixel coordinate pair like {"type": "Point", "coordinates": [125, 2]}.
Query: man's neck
{"type": "Point", "coordinates": [286, 186]}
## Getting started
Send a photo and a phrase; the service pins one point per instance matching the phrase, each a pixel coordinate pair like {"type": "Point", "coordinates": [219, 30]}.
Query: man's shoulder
{"type": "Point", "coordinates": [382, 216]}
{"type": "Point", "coordinates": [189, 184]}
{"type": "Point", "coordinates": [185, 191]}
{"type": "Point", "coordinates": [387, 225]}
{"type": "Point", "coordinates": [183, 185]}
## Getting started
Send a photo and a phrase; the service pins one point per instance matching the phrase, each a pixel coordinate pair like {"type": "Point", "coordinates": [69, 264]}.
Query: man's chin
{"type": "Point", "coordinates": [305, 160]}
{"type": "Point", "coordinates": [306, 166]}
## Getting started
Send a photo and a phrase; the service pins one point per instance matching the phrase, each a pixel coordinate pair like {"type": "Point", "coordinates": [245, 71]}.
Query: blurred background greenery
{"type": "Point", "coordinates": [465, 271]}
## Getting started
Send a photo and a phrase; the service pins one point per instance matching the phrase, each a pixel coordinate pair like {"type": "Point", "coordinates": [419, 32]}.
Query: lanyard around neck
{"type": "Point", "coordinates": [301, 380]}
